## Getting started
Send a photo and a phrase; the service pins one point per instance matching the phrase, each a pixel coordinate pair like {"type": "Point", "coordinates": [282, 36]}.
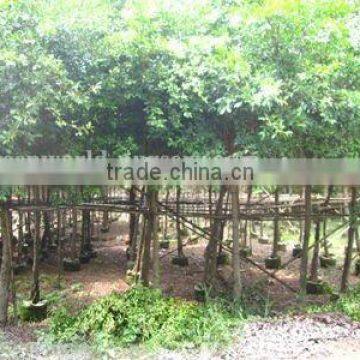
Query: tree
{"type": "Point", "coordinates": [6, 265]}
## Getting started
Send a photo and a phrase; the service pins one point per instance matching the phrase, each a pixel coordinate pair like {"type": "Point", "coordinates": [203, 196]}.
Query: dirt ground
{"type": "Point", "coordinates": [106, 273]}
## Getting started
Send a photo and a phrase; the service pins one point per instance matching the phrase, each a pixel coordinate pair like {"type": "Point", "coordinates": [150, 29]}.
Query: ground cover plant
{"type": "Point", "coordinates": [144, 315]}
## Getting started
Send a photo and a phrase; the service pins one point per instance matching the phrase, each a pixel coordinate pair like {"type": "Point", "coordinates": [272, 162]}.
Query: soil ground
{"type": "Point", "coordinates": [337, 337]}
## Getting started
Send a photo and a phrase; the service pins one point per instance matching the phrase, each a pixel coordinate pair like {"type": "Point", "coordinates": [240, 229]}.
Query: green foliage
{"type": "Point", "coordinates": [348, 304]}
{"type": "Point", "coordinates": [33, 312]}
{"type": "Point", "coordinates": [269, 78]}
{"type": "Point", "coordinates": [143, 315]}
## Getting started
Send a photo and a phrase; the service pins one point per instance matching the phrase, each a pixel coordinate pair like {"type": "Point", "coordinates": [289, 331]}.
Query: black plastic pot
{"type": "Point", "coordinates": [334, 297]}
{"type": "Point", "coordinates": [281, 247]}
{"type": "Point", "coordinates": [327, 261]}
{"type": "Point", "coordinates": [128, 253]}
{"type": "Point", "coordinates": [222, 259]}
{"type": "Point", "coordinates": [245, 251]}
{"type": "Point", "coordinates": [199, 292]}
{"type": "Point", "coordinates": [273, 262]}
{"type": "Point", "coordinates": [164, 244]}
{"type": "Point", "coordinates": [131, 277]}
{"type": "Point", "coordinates": [357, 267]}
{"type": "Point", "coordinates": [44, 255]}
{"type": "Point", "coordinates": [297, 250]}
{"type": "Point", "coordinates": [130, 265]}
{"type": "Point", "coordinates": [180, 260]}
{"type": "Point", "coordinates": [28, 239]}
{"type": "Point", "coordinates": [85, 257]}
{"type": "Point", "coordinates": [315, 288]}
{"type": "Point", "coordinates": [71, 265]}
{"type": "Point", "coordinates": [263, 240]}
{"type": "Point", "coordinates": [104, 230]}
{"type": "Point", "coordinates": [52, 248]}
{"type": "Point", "coordinates": [29, 311]}
{"type": "Point", "coordinates": [20, 268]}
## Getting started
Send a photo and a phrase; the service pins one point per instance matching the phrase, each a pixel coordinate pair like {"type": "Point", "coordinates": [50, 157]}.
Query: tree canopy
{"type": "Point", "coordinates": [267, 78]}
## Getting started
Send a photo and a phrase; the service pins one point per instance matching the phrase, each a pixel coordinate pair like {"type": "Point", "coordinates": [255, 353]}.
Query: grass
{"type": "Point", "coordinates": [145, 316]}
{"type": "Point", "coordinates": [348, 304]}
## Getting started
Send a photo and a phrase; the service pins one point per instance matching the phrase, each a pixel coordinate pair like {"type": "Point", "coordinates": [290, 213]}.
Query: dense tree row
{"type": "Point", "coordinates": [267, 78]}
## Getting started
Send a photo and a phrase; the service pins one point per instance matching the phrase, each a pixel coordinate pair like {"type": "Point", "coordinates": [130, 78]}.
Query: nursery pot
{"type": "Point", "coordinates": [315, 288]}
{"type": "Point", "coordinates": [263, 240]}
{"type": "Point", "coordinates": [28, 311]}
{"type": "Point", "coordinates": [222, 259]}
{"type": "Point", "coordinates": [131, 276]}
{"type": "Point", "coordinates": [297, 250]}
{"type": "Point", "coordinates": [130, 265]}
{"type": "Point", "coordinates": [327, 261]}
{"type": "Point", "coordinates": [357, 267]}
{"type": "Point", "coordinates": [199, 292]}
{"type": "Point", "coordinates": [85, 257]}
{"type": "Point", "coordinates": [104, 230]}
{"type": "Point", "coordinates": [281, 247]}
{"type": "Point", "coordinates": [52, 248]}
{"type": "Point", "coordinates": [181, 260]}
{"type": "Point", "coordinates": [71, 265]}
{"type": "Point", "coordinates": [20, 268]}
{"type": "Point", "coordinates": [164, 244]}
{"type": "Point", "coordinates": [273, 262]}
{"type": "Point", "coordinates": [245, 251]}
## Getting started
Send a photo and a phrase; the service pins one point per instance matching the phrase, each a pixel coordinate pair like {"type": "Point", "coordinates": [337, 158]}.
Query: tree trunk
{"type": "Point", "coordinates": [326, 243]}
{"type": "Point", "coordinates": [46, 237]}
{"type": "Point", "coordinates": [156, 247]}
{"type": "Point", "coordinates": [86, 232]}
{"type": "Point", "coordinates": [20, 235]}
{"type": "Point", "coordinates": [223, 225]}
{"type": "Point", "coordinates": [133, 223]}
{"type": "Point", "coordinates": [237, 290]}
{"type": "Point", "coordinates": [165, 216]}
{"type": "Point", "coordinates": [178, 229]}
{"type": "Point", "coordinates": [307, 230]}
{"type": "Point", "coordinates": [5, 271]}
{"type": "Point", "coordinates": [141, 235]}
{"type": "Point", "coordinates": [73, 233]}
{"type": "Point", "coordinates": [105, 220]}
{"type": "Point", "coordinates": [301, 231]}
{"type": "Point", "coordinates": [58, 233]}
{"type": "Point", "coordinates": [357, 239]}
{"type": "Point", "coordinates": [134, 240]}
{"type": "Point", "coordinates": [210, 205]}
{"type": "Point", "coordinates": [149, 231]}
{"type": "Point", "coordinates": [28, 217]}
{"type": "Point", "coordinates": [276, 224]}
{"type": "Point", "coordinates": [211, 248]}
{"type": "Point", "coordinates": [315, 259]}
{"type": "Point", "coordinates": [327, 201]}
{"type": "Point", "coordinates": [351, 237]}
{"type": "Point", "coordinates": [261, 229]}
{"type": "Point", "coordinates": [35, 290]}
